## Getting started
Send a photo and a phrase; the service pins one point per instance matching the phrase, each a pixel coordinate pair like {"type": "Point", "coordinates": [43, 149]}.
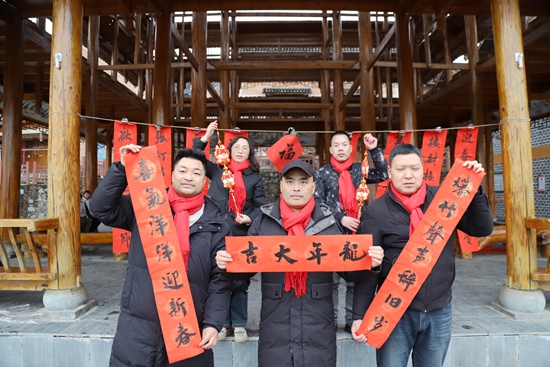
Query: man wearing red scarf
{"type": "Point", "coordinates": [425, 328]}
{"type": "Point", "coordinates": [201, 232]}
{"type": "Point", "coordinates": [296, 317]}
{"type": "Point", "coordinates": [336, 184]}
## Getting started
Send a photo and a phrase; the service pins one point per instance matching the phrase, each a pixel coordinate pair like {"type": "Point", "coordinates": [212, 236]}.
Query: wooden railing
{"type": "Point", "coordinates": [23, 277]}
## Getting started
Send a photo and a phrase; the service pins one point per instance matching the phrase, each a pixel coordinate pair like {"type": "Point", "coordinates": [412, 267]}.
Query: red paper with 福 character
{"type": "Point", "coordinates": [420, 254]}
{"type": "Point", "coordinates": [285, 150]}
{"type": "Point", "coordinates": [124, 133]}
{"type": "Point", "coordinates": [178, 320]}
{"type": "Point", "coordinates": [298, 253]}
{"type": "Point", "coordinates": [395, 138]}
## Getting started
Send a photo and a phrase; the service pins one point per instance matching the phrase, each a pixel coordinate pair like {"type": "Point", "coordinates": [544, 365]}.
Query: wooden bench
{"type": "Point", "coordinates": [23, 277]}
{"type": "Point", "coordinates": [98, 238]}
{"type": "Point", "coordinates": [542, 228]}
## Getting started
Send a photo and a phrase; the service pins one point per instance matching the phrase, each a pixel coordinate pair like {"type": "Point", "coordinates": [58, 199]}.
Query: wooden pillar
{"type": "Point", "coordinates": [338, 79]}
{"type": "Point", "coordinates": [476, 95]}
{"type": "Point", "coordinates": [114, 51]}
{"type": "Point", "coordinates": [521, 254]}
{"type": "Point", "coordinates": [234, 74]}
{"type": "Point", "coordinates": [12, 115]}
{"type": "Point", "coordinates": [149, 73]}
{"type": "Point", "coordinates": [90, 178]}
{"type": "Point", "coordinates": [405, 76]}
{"type": "Point", "coordinates": [198, 77]}
{"type": "Point", "coordinates": [368, 116]}
{"type": "Point", "coordinates": [162, 80]}
{"type": "Point", "coordinates": [64, 139]}
{"type": "Point", "coordinates": [224, 74]}
{"type": "Point", "coordinates": [325, 95]}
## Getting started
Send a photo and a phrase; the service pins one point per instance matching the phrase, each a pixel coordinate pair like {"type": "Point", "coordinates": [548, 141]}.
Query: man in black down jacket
{"type": "Point", "coordinates": [328, 191]}
{"type": "Point", "coordinates": [139, 340]}
{"type": "Point", "coordinates": [425, 328]}
{"type": "Point", "coordinates": [298, 331]}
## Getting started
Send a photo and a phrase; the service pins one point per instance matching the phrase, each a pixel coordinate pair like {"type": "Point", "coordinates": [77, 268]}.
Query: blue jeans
{"type": "Point", "coordinates": [237, 315]}
{"type": "Point", "coordinates": [427, 334]}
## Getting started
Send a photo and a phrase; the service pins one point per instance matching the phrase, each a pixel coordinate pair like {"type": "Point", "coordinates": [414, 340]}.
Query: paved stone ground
{"type": "Point", "coordinates": [476, 289]}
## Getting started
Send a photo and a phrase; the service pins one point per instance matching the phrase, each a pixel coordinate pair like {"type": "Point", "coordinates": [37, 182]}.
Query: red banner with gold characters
{"type": "Point", "coordinates": [395, 138]}
{"type": "Point", "coordinates": [196, 133]}
{"type": "Point", "coordinates": [420, 254]}
{"type": "Point", "coordinates": [229, 135]}
{"type": "Point", "coordinates": [465, 150]}
{"type": "Point", "coordinates": [124, 133]}
{"type": "Point", "coordinates": [157, 231]}
{"type": "Point", "coordinates": [161, 137]}
{"type": "Point", "coordinates": [433, 148]}
{"type": "Point", "coordinates": [298, 253]}
{"type": "Point", "coordinates": [285, 150]}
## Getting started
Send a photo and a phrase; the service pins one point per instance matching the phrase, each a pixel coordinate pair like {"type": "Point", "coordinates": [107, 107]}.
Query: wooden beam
{"type": "Point", "coordinates": [199, 80]}
{"type": "Point", "coordinates": [381, 47]}
{"type": "Point", "coordinates": [180, 42]}
{"type": "Point", "coordinates": [285, 65]}
{"type": "Point", "coordinates": [41, 38]}
{"type": "Point", "coordinates": [123, 92]}
{"type": "Point", "coordinates": [90, 176]}
{"type": "Point", "coordinates": [542, 224]}
{"type": "Point", "coordinates": [162, 83]}
{"type": "Point", "coordinates": [281, 106]}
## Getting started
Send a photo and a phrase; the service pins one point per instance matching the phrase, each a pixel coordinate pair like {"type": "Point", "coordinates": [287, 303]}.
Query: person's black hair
{"type": "Point", "coordinates": [193, 154]}
{"type": "Point", "coordinates": [251, 156]}
{"type": "Point", "coordinates": [340, 132]}
{"type": "Point", "coordinates": [404, 149]}
{"type": "Point", "coordinates": [87, 191]}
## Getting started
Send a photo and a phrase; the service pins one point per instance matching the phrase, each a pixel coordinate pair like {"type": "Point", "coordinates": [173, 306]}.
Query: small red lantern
{"type": "Point", "coordinates": [222, 154]}
{"type": "Point", "coordinates": [362, 195]}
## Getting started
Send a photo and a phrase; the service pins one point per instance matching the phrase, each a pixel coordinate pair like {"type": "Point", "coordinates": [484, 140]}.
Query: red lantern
{"type": "Point", "coordinates": [222, 154]}
{"type": "Point", "coordinates": [365, 166]}
{"type": "Point", "coordinates": [362, 195]}
{"type": "Point", "coordinates": [228, 180]}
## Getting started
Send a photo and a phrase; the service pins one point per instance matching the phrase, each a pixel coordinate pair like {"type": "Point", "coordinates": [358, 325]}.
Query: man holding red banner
{"type": "Point", "coordinates": [336, 185]}
{"type": "Point", "coordinates": [201, 231]}
{"type": "Point", "coordinates": [296, 317]}
{"type": "Point", "coordinates": [425, 328]}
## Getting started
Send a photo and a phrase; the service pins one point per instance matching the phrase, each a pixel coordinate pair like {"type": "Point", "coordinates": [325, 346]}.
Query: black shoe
{"type": "Point", "coordinates": [347, 328]}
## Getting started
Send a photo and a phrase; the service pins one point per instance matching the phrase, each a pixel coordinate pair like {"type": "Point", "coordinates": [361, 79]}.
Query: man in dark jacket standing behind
{"type": "Point", "coordinates": [425, 328]}
{"type": "Point", "coordinates": [139, 340]}
{"type": "Point", "coordinates": [296, 317]}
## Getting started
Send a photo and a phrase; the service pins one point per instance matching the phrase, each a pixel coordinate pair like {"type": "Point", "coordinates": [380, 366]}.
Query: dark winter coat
{"type": "Point", "coordinates": [326, 182]}
{"type": "Point", "coordinates": [299, 332]}
{"type": "Point", "coordinates": [139, 340]}
{"type": "Point", "coordinates": [255, 193]}
{"type": "Point", "coordinates": [388, 222]}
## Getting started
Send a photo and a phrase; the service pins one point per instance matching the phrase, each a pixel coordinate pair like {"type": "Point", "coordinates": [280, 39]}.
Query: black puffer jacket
{"type": "Point", "coordinates": [388, 222]}
{"type": "Point", "coordinates": [255, 193]}
{"type": "Point", "coordinates": [138, 340]}
{"type": "Point", "coordinates": [326, 182]}
{"type": "Point", "coordinates": [299, 332]}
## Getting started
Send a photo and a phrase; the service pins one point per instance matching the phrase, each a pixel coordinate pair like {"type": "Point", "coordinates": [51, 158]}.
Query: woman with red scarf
{"type": "Point", "coordinates": [249, 196]}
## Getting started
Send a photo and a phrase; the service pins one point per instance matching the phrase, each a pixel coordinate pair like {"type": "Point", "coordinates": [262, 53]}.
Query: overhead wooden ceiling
{"type": "Point", "coordinates": [443, 101]}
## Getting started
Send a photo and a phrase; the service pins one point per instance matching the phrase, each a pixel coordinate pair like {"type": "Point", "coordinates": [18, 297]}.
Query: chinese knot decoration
{"type": "Point", "coordinates": [362, 193]}
{"type": "Point", "coordinates": [222, 158]}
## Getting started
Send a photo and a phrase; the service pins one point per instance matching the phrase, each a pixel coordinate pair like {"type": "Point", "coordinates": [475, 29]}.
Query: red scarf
{"type": "Point", "coordinates": [295, 223]}
{"type": "Point", "coordinates": [412, 204]}
{"type": "Point", "coordinates": [346, 190]}
{"type": "Point", "coordinates": [183, 207]}
{"type": "Point", "coordinates": [239, 190]}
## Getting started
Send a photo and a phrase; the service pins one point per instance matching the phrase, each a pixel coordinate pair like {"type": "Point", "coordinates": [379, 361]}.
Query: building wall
{"type": "Point", "coordinates": [540, 136]}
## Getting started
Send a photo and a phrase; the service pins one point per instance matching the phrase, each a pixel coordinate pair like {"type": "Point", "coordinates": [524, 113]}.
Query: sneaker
{"type": "Point", "coordinates": [240, 335]}
{"type": "Point", "coordinates": [223, 333]}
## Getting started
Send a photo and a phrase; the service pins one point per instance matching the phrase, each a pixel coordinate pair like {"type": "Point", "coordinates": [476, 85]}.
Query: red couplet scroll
{"type": "Point", "coordinates": [161, 137]}
{"type": "Point", "coordinates": [124, 133]}
{"type": "Point", "coordinates": [420, 254]}
{"type": "Point", "coordinates": [465, 149]}
{"type": "Point", "coordinates": [433, 147]}
{"type": "Point", "coordinates": [157, 231]}
{"type": "Point", "coordinates": [285, 150]}
{"type": "Point", "coordinates": [233, 134]}
{"type": "Point", "coordinates": [395, 138]}
{"type": "Point", "coordinates": [298, 253]}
